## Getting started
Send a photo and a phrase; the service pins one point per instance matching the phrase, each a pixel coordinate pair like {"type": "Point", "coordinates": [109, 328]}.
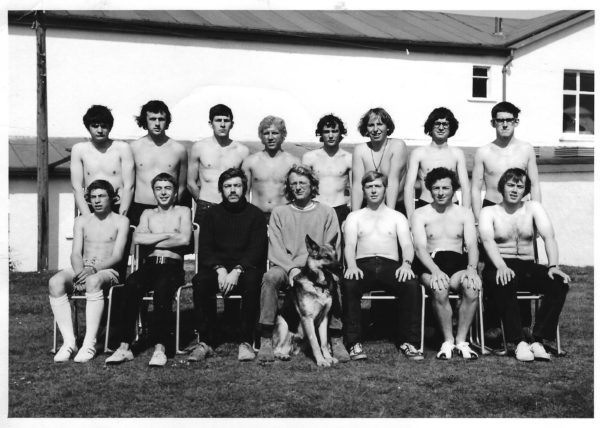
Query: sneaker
{"type": "Point", "coordinates": [86, 353]}
{"type": "Point", "coordinates": [159, 359]}
{"type": "Point", "coordinates": [539, 352]}
{"type": "Point", "coordinates": [200, 352]}
{"type": "Point", "coordinates": [411, 352]}
{"type": "Point", "coordinates": [339, 350]}
{"type": "Point", "coordinates": [119, 356]}
{"type": "Point", "coordinates": [445, 351]}
{"type": "Point", "coordinates": [465, 351]}
{"type": "Point", "coordinates": [245, 352]}
{"type": "Point", "coordinates": [64, 353]}
{"type": "Point", "coordinates": [524, 352]}
{"type": "Point", "coordinates": [265, 353]}
{"type": "Point", "coordinates": [357, 353]}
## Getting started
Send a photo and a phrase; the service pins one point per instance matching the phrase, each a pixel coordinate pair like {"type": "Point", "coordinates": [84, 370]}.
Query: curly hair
{"type": "Point", "coordinates": [439, 173]}
{"type": "Point", "coordinates": [441, 113]}
{"type": "Point", "coordinates": [307, 172]}
{"type": "Point", "coordinates": [382, 114]}
{"type": "Point", "coordinates": [331, 121]}
{"type": "Point", "coordinates": [154, 106]}
{"type": "Point", "coordinates": [103, 185]}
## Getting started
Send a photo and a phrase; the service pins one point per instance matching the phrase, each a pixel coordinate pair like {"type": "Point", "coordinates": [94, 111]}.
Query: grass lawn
{"type": "Point", "coordinates": [385, 385]}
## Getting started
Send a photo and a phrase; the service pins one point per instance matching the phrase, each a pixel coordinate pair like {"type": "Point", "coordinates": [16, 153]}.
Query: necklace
{"type": "Point", "coordinates": [377, 166]}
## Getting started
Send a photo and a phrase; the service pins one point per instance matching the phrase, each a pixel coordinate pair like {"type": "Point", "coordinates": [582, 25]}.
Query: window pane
{"type": "Point", "coordinates": [479, 88]}
{"type": "Point", "coordinates": [570, 81]}
{"type": "Point", "coordinates": [587, 82]}
{"type": "Point", "coordinates": [586, 114]}
{"type": "Point", "coordinates": [480, 71]}
{"type": "Point", "coordinates": [568, 113]}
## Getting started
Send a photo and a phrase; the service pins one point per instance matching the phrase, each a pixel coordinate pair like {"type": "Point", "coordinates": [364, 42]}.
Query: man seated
{"type": "Point", "coordinates": [166, 229]}
{"type": "Point", "coordinates": [232, 255]}
{"type": "Point", "coordinates": [98, 243]}
{"type": "Point", "coordinates": [288, 226]}
{"type": "Point", "coordinates": [372, 236]}
{"type": "Point", "coordinates": [439, 231]}
{"type": "Point", "coordinates": [507, 232]}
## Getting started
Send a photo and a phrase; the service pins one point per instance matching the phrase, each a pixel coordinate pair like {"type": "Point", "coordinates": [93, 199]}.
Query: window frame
{"type": "Point", "coordinates": [486, 78]}
{"type": "Point", "coordinates": [577, 92]}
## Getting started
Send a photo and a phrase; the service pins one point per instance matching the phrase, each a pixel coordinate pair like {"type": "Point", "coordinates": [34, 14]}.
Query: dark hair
{"type": "Point", "coordinates": [277, 122]}
{"type": "Point", "coordinates": [439, 173]}
{"type": "Point", "coordinates": [165, 176]}
{"type": "Point", "coordinates": [515, 174]}
{"type": "Point", "coordinates": [372, 176]}
{"type": "Point", "coordinates": [330, 120]}
{"type": "Point", "coordinates": [232, 173]}
{"type": "Point", "coordinates": [219, 110]}
{"type": "Point", "coordinates": [441, 113]}
{"type": "Point", "coordinates": [98, 114]}
{"type": "Point", "coordinates": [307, 172]}
{"type": "Point", "coordinates": [103, 185]}
{"type": "Point", "coordinates": [505, 107]}
{"type": "Point", "coordinates": [154, 106]}
{"type": "Point", "coordinates": [383, 115]}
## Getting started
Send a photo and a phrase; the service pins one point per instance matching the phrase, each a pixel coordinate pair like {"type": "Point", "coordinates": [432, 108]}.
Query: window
{"type": "Point", "coordinates": [578, 102]}
{"type": "Point", "coordinates": [480, 82]}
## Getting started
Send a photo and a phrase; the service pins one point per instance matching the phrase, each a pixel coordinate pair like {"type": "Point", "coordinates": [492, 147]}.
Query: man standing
{"type": "Point", "coordinates": [440, 125]}
{"type": "Point", "coordinates": [267, 169]}
{"type": "Point", "coordinates": [167, 230]}
{"type": "Point", "coordinates": [331, 165]}
{"type": "Point", "coordinates": [507, 233]}
{"type": "Point", "coordinates": [288, 227]}
{"type": "Point", "coordinates": [232, 256]}
{"type": "Point", "coordinates": [381, 154]}
{"type": "Point", "coordinates": [155, 153]}
{"type": "Point", "coordinates": [440, 230]}
{"type": "Point", "coordinates": [372, 237]}
{"type": "Point", "coordinates": [98, 245]}
{"type": "Point", "coordinates": [102, 159]}
{"type": "Point", "coordinates": [210, 157]}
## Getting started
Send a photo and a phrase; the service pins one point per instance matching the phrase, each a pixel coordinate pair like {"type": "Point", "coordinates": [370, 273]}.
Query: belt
{"type": "Point", "coordinates": [161, 260]}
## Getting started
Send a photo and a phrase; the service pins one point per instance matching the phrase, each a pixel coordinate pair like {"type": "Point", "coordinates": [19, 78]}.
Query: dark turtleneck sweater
{"type": "Point", "coordinates": [233, 234]}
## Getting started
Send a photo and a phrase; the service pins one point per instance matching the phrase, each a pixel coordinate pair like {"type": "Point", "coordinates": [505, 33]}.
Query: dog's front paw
{"type": "Point", "coordinates": [324, 363]}
{"type": "Point", "coordinates": [282, 356]}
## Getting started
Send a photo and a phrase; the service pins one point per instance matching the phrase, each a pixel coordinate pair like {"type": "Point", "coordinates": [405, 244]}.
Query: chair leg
{"type": "Point", "coordinates": [177, 320]}
{"type": "Point", "coordinates": [505, 351]}
{"type": "Point", "coordinates": [423, 296]}
{"type": "Point", "coordinates": [76, 322]}
{"type": "Point", "coordinates": [55, 338]}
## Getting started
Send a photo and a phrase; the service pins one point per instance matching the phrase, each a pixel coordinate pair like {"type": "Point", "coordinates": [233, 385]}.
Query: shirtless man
{"type": "Point", "coordinates": [154, 153]}
{"type": "Point", "coordinates": [505, 152]}
{"type": "Point", "coordinates": [381, 154]}
{"type": "Point", "coordinates": [102, 159]}
{"type": "Point", "coordinates": [210, 157]}
{"type": "Point", "coordinates": [439, 230]}
{"type": "Point", "coordinates": [372, 236]}
{"type": "Point", "coordinates": [267, 170]}
{"type": "Point", "coordinates": [98, 245]}
{"type": "Point", "coordinates": [167, 229]}
{"type": "Point", "coordinates": [331, 165]}
{"type": "Point", "coordinates": [507, 234]}
{"type": "Point", "coordinates": [440, 125]}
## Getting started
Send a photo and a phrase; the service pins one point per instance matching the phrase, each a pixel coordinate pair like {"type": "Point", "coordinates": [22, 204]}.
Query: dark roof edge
{"type": "Point", "coordinates": [225, 33]}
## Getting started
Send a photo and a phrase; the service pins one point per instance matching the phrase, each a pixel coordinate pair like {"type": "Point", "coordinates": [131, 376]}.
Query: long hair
{"type": "Point", "coordinates": [306, 172]}
{"type": "Point", "coordinates": [515, 174]}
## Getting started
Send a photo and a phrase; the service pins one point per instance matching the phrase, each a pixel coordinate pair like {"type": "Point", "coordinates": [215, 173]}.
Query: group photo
{"type": "Point", "coordinates": [406, 233]}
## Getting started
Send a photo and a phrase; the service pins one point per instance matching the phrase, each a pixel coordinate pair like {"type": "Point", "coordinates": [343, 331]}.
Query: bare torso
{"type": "Point", "coordinates": [212, 159]}
{"type": "Point", "coordinates": [151, 160]}
{"type": "Point", "coordinates": [333, 173]}
{"type": "Point", "coordinates": [99, 237]}
{"type": "Point", "coordinates": [444, 230]}
{"type": "Point", "coordinates": [160, 221]}
{"type": "Point", "coordinates": [513, 233]}
{"type": "Point", "coordinates": [377, 233]}
{"type": "Point", "coordinates": [435, 157]}
{"type": "Point", "coordinates": [102, 164]}
{"type": "Point", "coordinates": [267, 175]}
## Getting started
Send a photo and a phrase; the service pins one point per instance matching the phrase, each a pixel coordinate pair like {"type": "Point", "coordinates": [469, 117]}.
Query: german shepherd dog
{"type": "Point", "coordinates": [311, 296]}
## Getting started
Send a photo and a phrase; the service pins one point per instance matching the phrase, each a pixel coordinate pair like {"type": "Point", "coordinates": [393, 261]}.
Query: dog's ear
{"type": "Point", "coordinates": [333, 240]}
{"type": "Point", "coordinates": [311, 245]}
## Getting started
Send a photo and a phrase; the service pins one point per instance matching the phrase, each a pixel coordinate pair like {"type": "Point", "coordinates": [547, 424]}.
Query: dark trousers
{"type": "Point", "coordinates": [164, 281]}
{"type": "Point", "coordinates": [380, 274]}
{"type": "Point", "coordinates": [534, 278]}
{"type": "Point", "coordinates": [206, 287]}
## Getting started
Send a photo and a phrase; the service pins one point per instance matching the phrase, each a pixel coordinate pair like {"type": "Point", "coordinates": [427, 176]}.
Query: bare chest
{"type": "Point", "coordinates": [161, 223]}
{"type": "Point", "coordinates": [515, 227]}
{"type": "Point", "coordinates": [436, 159]}
{"type": "Point", "coordinates": [499, 160]}
{"type": "Point", "coordinates": [156, 159]}
{"type": "Point", "coordinates": [220, 158]}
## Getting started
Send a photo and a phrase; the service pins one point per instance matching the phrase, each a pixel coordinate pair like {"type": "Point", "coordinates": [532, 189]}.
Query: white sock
{"type": "Point", "coordinates": [61, 308]}
{"type": "Point", "coordinates": [93, 313]}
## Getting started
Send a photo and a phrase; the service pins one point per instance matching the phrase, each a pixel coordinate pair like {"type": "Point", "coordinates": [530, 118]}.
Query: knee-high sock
{"type": "Point", "coordinates": [93, 313]}
{"type": "Point", "coordinates": [61, 308]}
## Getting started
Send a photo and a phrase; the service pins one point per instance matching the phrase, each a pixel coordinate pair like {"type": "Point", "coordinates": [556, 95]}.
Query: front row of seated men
{"type": "Point", "coordinates": [378, 251]}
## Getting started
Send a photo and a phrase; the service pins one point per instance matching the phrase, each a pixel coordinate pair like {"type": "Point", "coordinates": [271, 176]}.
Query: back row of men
{"type": "Point", "coordinates": [131, 167]}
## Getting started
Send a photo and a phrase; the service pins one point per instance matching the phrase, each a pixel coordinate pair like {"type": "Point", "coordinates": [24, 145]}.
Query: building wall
{"type": "Point", "coordinates": [298, 83]}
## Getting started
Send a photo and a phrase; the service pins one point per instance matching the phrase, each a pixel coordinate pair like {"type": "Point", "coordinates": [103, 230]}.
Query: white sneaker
{"type": "Point", "coordinates": [64, 353]}
{"type": "Point", "coordinates": [159, 359]}
{"type": "Point", "coordinates": [119, 356]}
{"type": "Point", "coordinates": [523, 352]}
{"type": "Point", "coordinates": [445, 351]}
{"type": "Point", "coordinates": [86, 353]}
{"type": "Point", "coordinates": [539, 352]}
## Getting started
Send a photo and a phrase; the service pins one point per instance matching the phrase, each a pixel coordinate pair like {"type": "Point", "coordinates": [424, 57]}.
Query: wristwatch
{"type": "Point", "coordinates": [240, 268]}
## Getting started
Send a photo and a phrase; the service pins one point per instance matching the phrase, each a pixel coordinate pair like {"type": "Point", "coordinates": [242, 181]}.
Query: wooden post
{"type": "Point", "coordinates": [42, 143]}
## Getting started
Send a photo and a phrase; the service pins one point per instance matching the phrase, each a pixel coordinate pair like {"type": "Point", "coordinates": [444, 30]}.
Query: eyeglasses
{"type": "Point", "coordinates": [508, 120]}
{"type": "Point", "coordinates": [296, 184]}
{"type": "Point", "coordinates": [439, 124]}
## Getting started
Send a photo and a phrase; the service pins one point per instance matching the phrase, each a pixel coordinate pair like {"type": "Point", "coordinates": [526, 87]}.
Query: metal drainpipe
{"type": "Point", "coordinates": [505, 71]}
